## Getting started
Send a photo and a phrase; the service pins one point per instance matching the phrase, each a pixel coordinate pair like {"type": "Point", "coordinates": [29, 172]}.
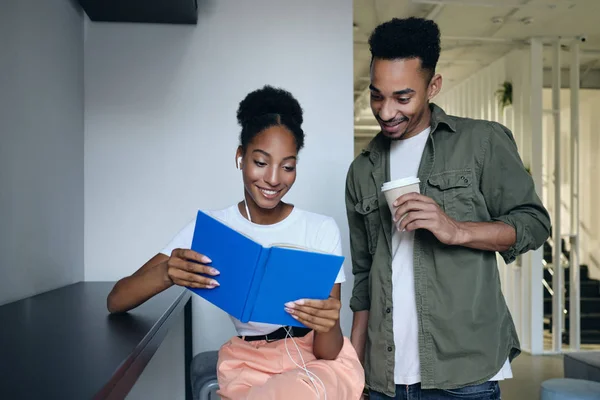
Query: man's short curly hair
{"type": "Point", "coordinates": [405, 39]}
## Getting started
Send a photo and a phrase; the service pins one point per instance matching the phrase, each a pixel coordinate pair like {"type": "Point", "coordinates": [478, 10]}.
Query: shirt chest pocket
{"type": "Point", "coordinates": [453, 191]}
{"type": "Point", "coordinates": [369, 209]}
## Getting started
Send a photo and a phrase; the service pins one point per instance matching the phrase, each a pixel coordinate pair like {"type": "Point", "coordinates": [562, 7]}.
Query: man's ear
{"type": "Point", "coordinates": [435, 85]}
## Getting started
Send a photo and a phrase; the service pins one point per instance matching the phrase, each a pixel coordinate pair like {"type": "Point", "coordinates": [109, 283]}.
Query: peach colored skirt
{"type": "Point", "coordinates": [261, 370]}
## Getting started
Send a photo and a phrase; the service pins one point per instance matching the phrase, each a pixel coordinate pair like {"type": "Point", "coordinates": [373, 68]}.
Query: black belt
{"type": "Point", "coordinates": [278, 334]}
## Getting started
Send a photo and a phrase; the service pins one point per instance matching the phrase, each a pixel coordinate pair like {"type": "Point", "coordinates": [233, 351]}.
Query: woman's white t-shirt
{"type": "Point", "coordinates": [301, 228]}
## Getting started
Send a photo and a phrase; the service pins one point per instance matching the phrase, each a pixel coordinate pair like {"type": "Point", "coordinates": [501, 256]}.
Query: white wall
{"type": "Point", "coordinates": [41, 146]}
{"type": "Point", "coordinates": [160, 127]}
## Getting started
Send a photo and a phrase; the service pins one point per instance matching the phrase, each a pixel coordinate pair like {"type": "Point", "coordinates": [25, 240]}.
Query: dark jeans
{"type": "Point", "coordinates": [485, 391]}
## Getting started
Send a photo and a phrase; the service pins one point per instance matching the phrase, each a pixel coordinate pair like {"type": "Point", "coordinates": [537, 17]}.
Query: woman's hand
{"type": "Point", "coordinates": [184, 267]}
{"type": "Point", "coordinates": [319, 315]}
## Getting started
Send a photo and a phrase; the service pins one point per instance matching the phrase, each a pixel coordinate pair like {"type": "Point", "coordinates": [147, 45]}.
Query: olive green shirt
{"type": "Point", "coordinates": [472, 169]}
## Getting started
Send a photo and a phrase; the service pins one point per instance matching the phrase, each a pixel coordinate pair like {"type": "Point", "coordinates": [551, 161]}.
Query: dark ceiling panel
{"type": "Point", "coordinates": [143, 11]}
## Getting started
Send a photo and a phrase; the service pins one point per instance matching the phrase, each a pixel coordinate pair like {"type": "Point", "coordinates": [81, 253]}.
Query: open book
{"type": "Point", "coordinates": [256, 281]}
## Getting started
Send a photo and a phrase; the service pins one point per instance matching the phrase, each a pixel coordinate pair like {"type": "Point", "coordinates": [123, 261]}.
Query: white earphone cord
{"type": "Point", "coordinates": [239, 165]}
{"type": "Point", "coordinates": [309, 374]}
{"type": "Point", "coordinates": [247, 210]}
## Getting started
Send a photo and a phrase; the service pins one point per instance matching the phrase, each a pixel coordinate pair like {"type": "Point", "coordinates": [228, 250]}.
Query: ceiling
{"type": "Point", "coordinates": [474, 34]}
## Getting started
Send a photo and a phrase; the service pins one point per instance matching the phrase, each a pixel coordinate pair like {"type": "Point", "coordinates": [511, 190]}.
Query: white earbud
{"type": "Point", "coordinates": [239, 162]}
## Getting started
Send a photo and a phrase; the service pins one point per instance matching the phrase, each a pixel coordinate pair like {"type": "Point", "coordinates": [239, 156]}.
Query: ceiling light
{"type": "Point", "coordinates": [527, 20]}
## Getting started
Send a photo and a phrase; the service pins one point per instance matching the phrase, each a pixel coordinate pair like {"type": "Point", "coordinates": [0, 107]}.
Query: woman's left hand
{"type": "Point", "coordinates": [319, 315]}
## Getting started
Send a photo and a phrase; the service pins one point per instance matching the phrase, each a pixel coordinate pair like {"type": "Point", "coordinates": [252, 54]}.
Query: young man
{"type": "Point", "coordinates": [430, 320]}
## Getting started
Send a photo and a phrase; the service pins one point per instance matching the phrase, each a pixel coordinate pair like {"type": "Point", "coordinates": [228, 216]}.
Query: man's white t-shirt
{"type": "Point", "coordinates": [405, 158]}
{"type": "Point", "coordinates": [301, 228]}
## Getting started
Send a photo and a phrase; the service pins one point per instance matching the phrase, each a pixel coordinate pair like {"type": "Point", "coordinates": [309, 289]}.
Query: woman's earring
{"type": "Point", "coordinates": [239, 162]}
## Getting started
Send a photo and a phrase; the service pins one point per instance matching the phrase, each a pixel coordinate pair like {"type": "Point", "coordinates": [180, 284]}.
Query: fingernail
{"type": "Point", "coordinates": [206, 260]}
{"type": "Point", "coordinates": [300, 302]}
{"type": "Point", "coordinates": [290, 304]}
{"type": "Point", "coordinates": [214, 271]}
{"type": "Point", "coordinates": [294, 316]}
{"type": "Point", "coordinates": [215, 283]}
{"type": "Point", "coordinates": [289, 311]}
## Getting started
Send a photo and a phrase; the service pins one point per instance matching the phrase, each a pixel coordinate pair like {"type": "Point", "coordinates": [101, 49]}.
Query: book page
{"type": "Point", "coordinates": [296, 247]}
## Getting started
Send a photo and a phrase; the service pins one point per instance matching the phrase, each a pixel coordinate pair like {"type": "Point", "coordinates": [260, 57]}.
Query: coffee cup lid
{"type": "Point", "coordinates": [411, 180]}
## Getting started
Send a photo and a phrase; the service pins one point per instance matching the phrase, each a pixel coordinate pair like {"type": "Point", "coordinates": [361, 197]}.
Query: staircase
{"type": "Point", "coordinates": [589, 305]}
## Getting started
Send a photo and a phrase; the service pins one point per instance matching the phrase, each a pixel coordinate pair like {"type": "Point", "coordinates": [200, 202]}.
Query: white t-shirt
{"type": "Point", "coordinates": [405, 158]}
{"type": "Point", "coordinates": [301, 228]}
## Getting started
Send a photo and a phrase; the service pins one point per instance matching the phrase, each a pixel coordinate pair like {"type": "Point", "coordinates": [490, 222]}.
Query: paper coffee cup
{"type": "Point", "coordinates": [394, 189]}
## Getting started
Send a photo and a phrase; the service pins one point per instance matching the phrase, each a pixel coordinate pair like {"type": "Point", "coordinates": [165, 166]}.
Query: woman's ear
{"type": "Point", "coordinates": [238, 158]}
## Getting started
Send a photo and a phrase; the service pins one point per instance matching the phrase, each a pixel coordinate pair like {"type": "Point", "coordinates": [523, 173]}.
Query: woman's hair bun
{"type": "Point", "coordinates": [269, 100]}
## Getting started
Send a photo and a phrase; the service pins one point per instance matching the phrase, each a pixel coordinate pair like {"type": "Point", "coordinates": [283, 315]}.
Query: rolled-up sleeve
{"type": "Point", "coordinates": [510, 193]}
{"type": "Point", "coordinates": [361, 258]}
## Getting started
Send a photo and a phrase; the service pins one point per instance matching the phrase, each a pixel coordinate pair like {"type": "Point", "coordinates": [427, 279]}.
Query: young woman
{"type": "Point", "coordinates": [265, 361]}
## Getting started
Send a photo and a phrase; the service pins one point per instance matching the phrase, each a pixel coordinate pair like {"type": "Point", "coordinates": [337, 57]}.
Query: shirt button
{"type": "Point", "coordinates": [390, 348]}
{"type": "Point", "coordinates": [368, 208]}
{"type": "Point", "coordinates": [388, 310]}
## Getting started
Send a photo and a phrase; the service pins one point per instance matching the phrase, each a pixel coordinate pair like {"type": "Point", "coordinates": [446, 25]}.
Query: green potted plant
{"type": "Point", "coordinates": [505, 95]}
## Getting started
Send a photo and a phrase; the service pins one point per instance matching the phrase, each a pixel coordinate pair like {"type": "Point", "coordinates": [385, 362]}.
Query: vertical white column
{"type": "Point", "coordinates": [533, 267]}
{"type": "Point", "coordinates": [558, 277]}
{"type": "Point", "coordinates": [494, 87]}
{"type": "Point", "coordinates": [474, 94]}
{"type": "Point", "coordinates": [466, 95]}
{"type": "Point", "coordinates": [574, 289]}
{"type": "Point", "coordinates": [488, 94]}
{"type": "Point", "coordinates": [460, 100]}
{"type": "Point", "coordinates": [479, 95]}
{"type": "Point", "coordinates": [501, 78]}
{"type": "Point", "coordinates": [550, 164]}
{"type": "Point", "coordinates": [455, 100]}
{"type": "Point", "coordinates": [464, 100]}
{"type": "Point", "coordinates": [516, 76]}
{"type": "Point", "coordinates": [524, 93]}
{"type": "Point", "coordinates": [469, 97]}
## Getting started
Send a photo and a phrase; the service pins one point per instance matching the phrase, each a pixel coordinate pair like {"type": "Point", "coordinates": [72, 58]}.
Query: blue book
{"type": "Point", "coordinates": [256, 281]}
